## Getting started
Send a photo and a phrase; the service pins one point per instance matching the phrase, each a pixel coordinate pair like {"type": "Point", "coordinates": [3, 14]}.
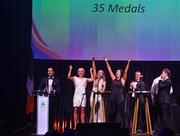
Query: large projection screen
{"type": "Point", "coordinates": [117, 29]}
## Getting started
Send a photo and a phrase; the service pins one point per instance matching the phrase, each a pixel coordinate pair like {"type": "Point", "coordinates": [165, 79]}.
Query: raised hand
{"type": "Point", "coordinates": [70, 67]}
{"type": "Point", "coordinates": [129, 60]}
{"type": "Point", "coordinates": [69, 73]}
{"type": "Point", "coordinates": [91, 69]}
{"type": "Point", "coordinates": [105, 59]}
{"type": "Point", "coordinates": [93, 57]}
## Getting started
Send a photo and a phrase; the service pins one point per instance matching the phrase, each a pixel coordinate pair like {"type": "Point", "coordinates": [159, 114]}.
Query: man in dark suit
{"type": "Point", "coordinates": [164, 98]}
{"type": "Point", "coordinates": [51, 87]}
{"type": "Point", "coordinates": [50, 83]}
{"type": "Point", "coordinates": [138, 85]}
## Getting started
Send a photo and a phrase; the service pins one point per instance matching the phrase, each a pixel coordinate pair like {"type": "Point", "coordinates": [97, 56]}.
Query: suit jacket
{"type": "Point", "coordinates": [55, 84]}
{"type": "Point", "coordinates": [140, 87]}
{"type": "Point", "coordinates": [164, 91]}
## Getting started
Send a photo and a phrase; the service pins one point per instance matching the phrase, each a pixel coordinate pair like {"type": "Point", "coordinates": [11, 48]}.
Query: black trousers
{"type": "Point", "coordinates": [141, 113]}
{"type": "Point", "coordinates": [164, 115]}
{"type": "Point", "coordinates": [116, 114]}
{"type": "Point", "coordinates": [141, 116]}
{"type": "Point", "coordinates": [131, 109]}
{"type": "Point", "coordinates": [52, 110]}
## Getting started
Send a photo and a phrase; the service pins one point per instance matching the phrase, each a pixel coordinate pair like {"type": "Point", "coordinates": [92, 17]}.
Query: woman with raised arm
{"type": "Point", "coordinates": [79, 99]}
{"type": "Point", "coordinates": [117, 94]}
{"type": "Point", "coordinates": [96, 100]}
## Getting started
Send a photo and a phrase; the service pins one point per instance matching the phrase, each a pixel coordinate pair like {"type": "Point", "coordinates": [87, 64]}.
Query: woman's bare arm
{"type": "Point", "coordinates": [123, 80]}
{"type": "Point", "coordinates": [92, 78]}
{"type": "Point", "coordinates": [94, 67]}
{"type": "Point", "coordinates": [69, 73]}
{"type": "Point", "coordinates": [109, 69]}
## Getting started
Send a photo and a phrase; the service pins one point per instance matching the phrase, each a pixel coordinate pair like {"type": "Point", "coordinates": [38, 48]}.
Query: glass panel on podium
{"type": "Point", "coordinates": [42, 113]}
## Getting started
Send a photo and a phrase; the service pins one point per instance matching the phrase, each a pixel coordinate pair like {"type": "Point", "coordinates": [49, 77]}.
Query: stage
{"type": "Point", "coordinates": [83, 130]}
{"type": "Point", "coordinates": [41, 34]}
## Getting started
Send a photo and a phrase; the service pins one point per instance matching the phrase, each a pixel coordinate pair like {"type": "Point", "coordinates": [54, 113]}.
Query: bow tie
{"type": "Point", "coordinates": [50, 77]}
{"type": "Point", "coordinates": [136, 81]}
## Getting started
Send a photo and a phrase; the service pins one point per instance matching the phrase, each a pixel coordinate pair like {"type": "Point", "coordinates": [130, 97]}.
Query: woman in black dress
{"type": "Point", "coordinates": [117, 94]}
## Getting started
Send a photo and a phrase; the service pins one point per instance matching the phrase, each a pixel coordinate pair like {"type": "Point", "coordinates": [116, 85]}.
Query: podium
{"type": "Point", "coordinates": [93, 106]}
{"type": "Point", "coordinates": [147, 114]}
{"type": "Point", "coordinates": [42, 113]}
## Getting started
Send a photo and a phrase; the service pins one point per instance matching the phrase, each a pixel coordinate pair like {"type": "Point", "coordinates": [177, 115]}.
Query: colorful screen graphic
{"type": "Point", "coordinates": [117, 29]}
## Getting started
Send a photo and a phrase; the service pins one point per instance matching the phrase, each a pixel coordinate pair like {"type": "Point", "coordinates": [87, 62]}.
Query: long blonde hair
{"type": "Point", "coordinates": [103, 75]}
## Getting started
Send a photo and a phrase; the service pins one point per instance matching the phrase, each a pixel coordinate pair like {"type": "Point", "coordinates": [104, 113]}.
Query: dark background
{"type": "Point", "coordinates": [15, 51]}
{"type": "Point", "coordinates": [16, 17]}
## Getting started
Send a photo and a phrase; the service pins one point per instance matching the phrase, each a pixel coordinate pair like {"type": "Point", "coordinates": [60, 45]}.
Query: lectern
{"type": "Point", "coordinates": [147, 113]}
{"type": "Point", "coordinates": [42, 113]}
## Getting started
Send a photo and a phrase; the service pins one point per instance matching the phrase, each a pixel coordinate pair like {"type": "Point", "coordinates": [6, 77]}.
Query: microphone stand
{"type": "Point", "coordinates": [82, 99]}
{"type": "Point", "coordinates": [93, 108]}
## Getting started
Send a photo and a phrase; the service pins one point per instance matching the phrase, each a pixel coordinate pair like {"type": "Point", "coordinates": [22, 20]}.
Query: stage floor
{"type": "Point", "coordinates": [25, 131]}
